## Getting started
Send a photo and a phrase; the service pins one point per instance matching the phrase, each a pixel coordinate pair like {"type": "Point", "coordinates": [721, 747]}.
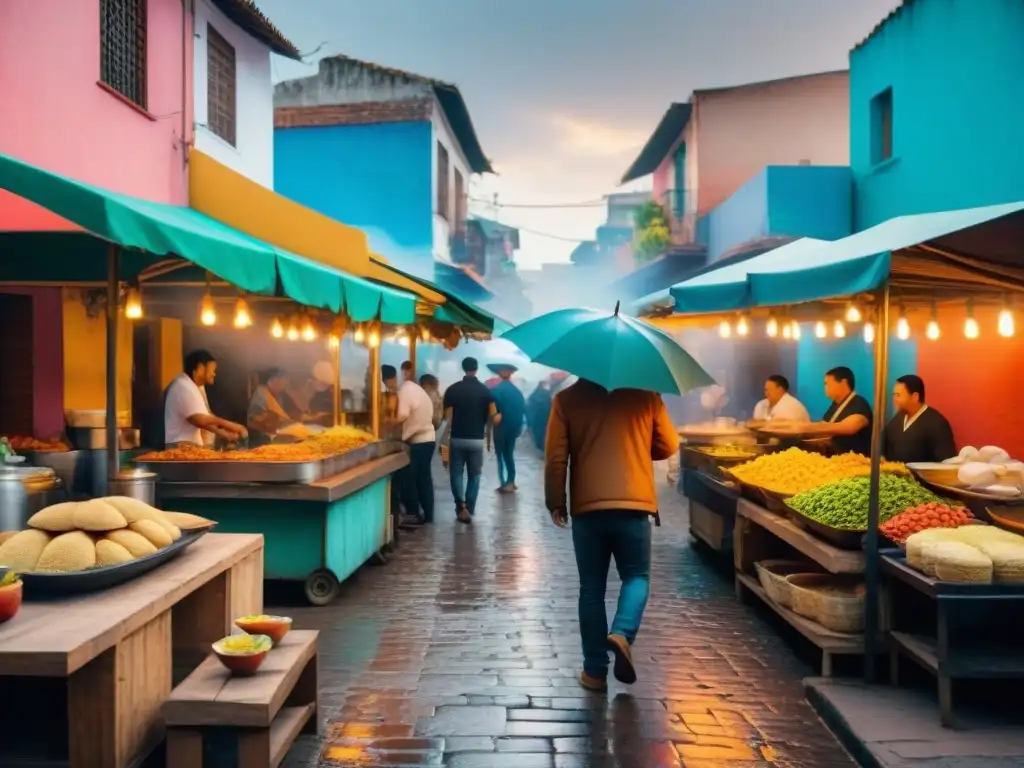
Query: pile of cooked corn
{"type": "Point", "coordinates": [794, 471]}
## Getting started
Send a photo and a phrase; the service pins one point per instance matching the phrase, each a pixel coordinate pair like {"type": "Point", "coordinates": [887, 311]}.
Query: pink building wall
{"type": "Point", "coordinates": [735, 132]}
{"type": "Point", "coordinates": [57, 115]}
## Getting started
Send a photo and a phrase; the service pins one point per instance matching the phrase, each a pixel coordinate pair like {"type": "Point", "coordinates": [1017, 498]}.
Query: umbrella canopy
{"type": "Point", "coordinates": [499, 367]}
{"type": "Point", "coordinates": [613, 350]}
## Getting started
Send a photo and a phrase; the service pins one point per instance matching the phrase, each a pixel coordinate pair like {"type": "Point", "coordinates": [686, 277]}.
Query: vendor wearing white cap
{"type": "Point", "coordinates": [312, 400]}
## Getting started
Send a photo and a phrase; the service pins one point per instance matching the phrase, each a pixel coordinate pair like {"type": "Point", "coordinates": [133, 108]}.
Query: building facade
{"type": "Point", "coordinates": [935, 109]}
{"type": "Point", "coordinates": [387, 151]}
{"type": "Point", "coordinates": [234, 92]}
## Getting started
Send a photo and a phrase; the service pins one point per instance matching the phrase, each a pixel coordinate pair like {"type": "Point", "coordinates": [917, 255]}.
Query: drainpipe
{"type": "Point", "coordinates": [187, 9]}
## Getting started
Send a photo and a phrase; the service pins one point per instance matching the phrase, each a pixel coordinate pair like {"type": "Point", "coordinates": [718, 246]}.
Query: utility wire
{"type": "Point", "coordinates": [584, 204]}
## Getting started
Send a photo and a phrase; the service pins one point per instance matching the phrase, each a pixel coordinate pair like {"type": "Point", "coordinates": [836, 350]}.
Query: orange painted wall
{"type": "Point", "coordinates": [973, 382]}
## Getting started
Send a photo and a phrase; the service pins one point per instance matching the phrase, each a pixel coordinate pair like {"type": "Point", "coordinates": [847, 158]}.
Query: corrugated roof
{"type": "Point", "coordinates": [251, 19]}
{"type": "Point", "coordinates": [451, 101]}
{"type": "Point", "coordinates": [669, 129]}
{"type": "Point", "coordinates": [892, 14]}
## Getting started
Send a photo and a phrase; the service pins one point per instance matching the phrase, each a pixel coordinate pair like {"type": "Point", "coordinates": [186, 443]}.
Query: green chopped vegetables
{"type": "Point", "coordinates": [844, 503]}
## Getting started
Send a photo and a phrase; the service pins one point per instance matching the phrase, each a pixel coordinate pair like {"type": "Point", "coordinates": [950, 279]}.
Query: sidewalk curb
{"type": "Point", "coordinates": [838, 724]}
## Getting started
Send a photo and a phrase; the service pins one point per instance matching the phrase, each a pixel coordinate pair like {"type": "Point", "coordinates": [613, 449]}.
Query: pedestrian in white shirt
{"type": "Point", "coordinates": [416, 415]}
{"type": "Point", "coordinates": [187, 411]}
{"type": "Point", "coordinates": [778, 404]}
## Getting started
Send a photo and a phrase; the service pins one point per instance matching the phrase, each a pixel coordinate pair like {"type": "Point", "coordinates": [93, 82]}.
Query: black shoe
{"type": "Point", "coordinates": [623, 670]}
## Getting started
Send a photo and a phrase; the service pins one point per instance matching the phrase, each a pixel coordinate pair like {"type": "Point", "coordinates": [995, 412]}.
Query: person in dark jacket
{"type": "Point", "coordinates": [512, 407]}
{"type": "Point", "coordinates": [538, 409]}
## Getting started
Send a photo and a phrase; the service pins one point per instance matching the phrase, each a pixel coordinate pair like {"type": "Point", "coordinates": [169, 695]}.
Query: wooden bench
{"type": "Point", "coordinates": [268, 710]}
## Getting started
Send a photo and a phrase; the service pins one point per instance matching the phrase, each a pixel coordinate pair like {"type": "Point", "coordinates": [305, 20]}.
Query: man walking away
{"type": "Point", "coordinates": [512, 407]}
{"type": "Point", "coordinates": [415, 413]}
{"type": "Point", "coordinates": [469, 410]}
{"type": "Point", "coordinates": [610, 439]}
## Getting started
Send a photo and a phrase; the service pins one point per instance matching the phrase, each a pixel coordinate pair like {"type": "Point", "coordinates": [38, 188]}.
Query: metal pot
{"type": "Point", "coordinates": [23, 492]}
{"type": "Point", "coordinates": [136, 484]}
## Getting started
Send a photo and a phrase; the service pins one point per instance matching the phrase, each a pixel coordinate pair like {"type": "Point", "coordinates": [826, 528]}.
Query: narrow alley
{"type": "Point", "coordinates": [463, 651]}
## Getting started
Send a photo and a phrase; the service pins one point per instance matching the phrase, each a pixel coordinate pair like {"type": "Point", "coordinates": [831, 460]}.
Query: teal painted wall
{"type": "Point", "coordinates": [810, 201]}
{"type": "Point", "coordinates": [955, 69]}
{"type": "Point", "coordinates": [815, 356]}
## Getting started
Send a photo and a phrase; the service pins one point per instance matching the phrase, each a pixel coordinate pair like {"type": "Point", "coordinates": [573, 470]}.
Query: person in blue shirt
{"type": "Point", "coordinates": [512, 407]}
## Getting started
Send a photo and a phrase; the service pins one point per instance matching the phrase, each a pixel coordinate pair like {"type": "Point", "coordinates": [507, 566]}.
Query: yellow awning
{"type": "Point", "coordinates": [235, 200]}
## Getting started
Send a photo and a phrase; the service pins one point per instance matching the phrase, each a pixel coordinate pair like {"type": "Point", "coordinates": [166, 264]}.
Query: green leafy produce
{"type": "Point", "coordinates": [844, 503]}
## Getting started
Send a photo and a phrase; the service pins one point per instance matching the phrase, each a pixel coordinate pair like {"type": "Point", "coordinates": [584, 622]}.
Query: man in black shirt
{"type": "Point", "coordinates": [917, 432]}
{"type": "Point", "coordinates": [848, 419]}
{"type": "Point", "coordinates": [470, 411]}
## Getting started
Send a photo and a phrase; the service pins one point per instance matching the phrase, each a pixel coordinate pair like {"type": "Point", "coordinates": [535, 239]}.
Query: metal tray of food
{"type": "Point", "coordinates": [212, 471]}
{"type": "Point", "coordinates": [43, 585]}
{"type": "Point", "coordinates": [342, 462]}
{"type": "Point", "coordinates": [838, 537]}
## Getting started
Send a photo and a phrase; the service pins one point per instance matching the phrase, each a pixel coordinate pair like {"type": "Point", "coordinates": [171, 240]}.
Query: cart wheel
{"type": "Point", "coordinates": [321, 587]}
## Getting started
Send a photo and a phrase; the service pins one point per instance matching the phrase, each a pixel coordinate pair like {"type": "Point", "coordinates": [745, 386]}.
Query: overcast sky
{"type": "Point", "coordinates": [563, 93]}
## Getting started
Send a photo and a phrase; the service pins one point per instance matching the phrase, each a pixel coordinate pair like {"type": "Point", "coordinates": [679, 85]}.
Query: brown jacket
{"type": "Point", "coordinates": [610, 438]}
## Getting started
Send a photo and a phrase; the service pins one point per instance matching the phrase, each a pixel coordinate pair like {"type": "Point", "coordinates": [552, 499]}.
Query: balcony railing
{"type": "Point", "coordinates": [681, 208]}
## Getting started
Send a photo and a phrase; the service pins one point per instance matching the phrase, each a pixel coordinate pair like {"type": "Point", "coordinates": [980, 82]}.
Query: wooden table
{"type": "Point", "coordinates": [90, 673]}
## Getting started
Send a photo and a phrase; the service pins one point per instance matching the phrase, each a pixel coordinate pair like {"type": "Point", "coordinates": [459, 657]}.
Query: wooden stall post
{"type": "Point", "coordinates": [375, 390]}
{"type": "Point", "coordinates": [336, 421]}
{"type": "Point", "coordinates": [877, 446]}
{"type": "Point", "coordinates": [412, 355]}
{"type": "Point", "coordinates": [113, 444]}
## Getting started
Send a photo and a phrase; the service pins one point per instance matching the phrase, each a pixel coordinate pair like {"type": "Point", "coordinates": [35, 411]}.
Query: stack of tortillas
{"type": "Point", "coordinates": [74, 536]}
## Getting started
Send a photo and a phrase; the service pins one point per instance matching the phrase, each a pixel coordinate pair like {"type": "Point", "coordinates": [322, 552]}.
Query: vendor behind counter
{"type": "Point", "coordinates": [266, 415]}
{"type": "Point", "coordinates": [917, 432]}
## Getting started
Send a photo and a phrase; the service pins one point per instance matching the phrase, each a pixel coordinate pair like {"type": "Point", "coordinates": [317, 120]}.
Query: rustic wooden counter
{"type": "Point", "coordinates": [90, 673]}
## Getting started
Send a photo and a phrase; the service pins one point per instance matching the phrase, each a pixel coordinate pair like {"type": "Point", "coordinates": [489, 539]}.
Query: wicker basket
{"type": "Point", "coordinates": [773, 577]}
{"type": "Point", "coordinates": [835, 602]}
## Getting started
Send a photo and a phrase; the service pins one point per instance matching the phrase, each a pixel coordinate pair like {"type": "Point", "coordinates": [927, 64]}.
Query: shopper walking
{"type": "Point", "coordinates": [415, 414]}
{"type": "Point", "coordinates": [469, 411]}
{"type": "Point", "coordinates": [609, 438]}
{"type": "Point", "coordinates": [512, 407]}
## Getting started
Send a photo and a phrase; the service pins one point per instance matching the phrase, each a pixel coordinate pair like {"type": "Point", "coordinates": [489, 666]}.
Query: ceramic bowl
{"type": "Point", "coordinates": [274, 627]}
{"type": "Point", "coordinates": [243, 662]}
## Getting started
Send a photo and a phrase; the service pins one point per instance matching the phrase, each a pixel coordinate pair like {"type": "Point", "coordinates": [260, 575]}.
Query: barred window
{"type": "Point", "coordinates": [443, 188]}
{"type": "Point", "coordinates": [221, 109]}
{"type": "Point", "coordinates": [123, 48]}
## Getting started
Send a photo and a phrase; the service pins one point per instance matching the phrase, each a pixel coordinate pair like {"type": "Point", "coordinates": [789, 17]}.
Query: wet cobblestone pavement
{"type": "Point", "coordinates": [464, 651]}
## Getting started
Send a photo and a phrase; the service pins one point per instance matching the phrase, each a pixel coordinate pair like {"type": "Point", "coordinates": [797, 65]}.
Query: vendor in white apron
{"type": "Point", "coordinates": [187, 417]}
{"type": "Point", "coordinates": [917, 432]}
{"type": "Point", "coordinates": [848, 419]}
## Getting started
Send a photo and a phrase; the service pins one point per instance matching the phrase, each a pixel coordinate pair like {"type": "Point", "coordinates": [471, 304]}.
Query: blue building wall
{"type": "Point", "coordinates": [954, 67]}
{"type": "Point", "coordinates": [375, 177]}
{"type": "Point", "coordinates": [741, 218]}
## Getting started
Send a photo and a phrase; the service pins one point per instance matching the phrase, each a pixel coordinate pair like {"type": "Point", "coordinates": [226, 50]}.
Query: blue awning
{"type": "Point", "coordinates": [956, 250]}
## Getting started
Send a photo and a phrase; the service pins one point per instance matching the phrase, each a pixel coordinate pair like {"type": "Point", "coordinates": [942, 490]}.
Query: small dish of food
{"type": "Point", "coordinates": [274, 627]}
{"type": "Point", "coordinates": [243, 654]}
{"type": "Point", "coordinates": [10, 594]}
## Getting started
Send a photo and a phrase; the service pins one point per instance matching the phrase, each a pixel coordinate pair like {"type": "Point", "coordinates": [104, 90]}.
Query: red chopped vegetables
{"type": "Point", "coordinates": [923, 517]}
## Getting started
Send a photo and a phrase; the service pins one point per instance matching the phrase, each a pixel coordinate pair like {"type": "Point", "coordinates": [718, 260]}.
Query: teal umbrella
{"type": "Point", "coordinates": [615, 351]}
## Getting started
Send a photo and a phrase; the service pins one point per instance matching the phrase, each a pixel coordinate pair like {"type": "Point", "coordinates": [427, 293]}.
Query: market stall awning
{"type": "Point", "coordinates": [924, 253]}
{"type": "Point", "coordinates": [151, 232]}
{"type": "Point", "coordinates": [235, 200]}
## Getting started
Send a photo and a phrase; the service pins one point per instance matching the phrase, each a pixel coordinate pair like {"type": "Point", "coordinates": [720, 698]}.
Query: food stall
{"type": "Point", "coordinates": [820, 540]}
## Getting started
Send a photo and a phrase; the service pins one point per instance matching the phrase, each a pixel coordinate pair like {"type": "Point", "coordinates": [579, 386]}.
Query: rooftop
{"type": "Point", "coordinates": [878, 27]}
{"type": "Point", "coordinates": [251, 19]}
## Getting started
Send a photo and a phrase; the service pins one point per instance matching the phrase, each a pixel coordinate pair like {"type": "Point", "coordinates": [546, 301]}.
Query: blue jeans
{"type": "Point", "coordinates": [598, 537]}
{"type": "Point", "coordinates": [505, 449]}
{"type": "Point", "coordinates": [467, 458]}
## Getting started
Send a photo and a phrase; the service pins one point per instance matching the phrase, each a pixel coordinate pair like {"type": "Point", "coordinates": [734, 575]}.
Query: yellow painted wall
{"type": "Point", "coordinates": [169, 354]}
{"type": "Point", "coordinates": [85, 352]}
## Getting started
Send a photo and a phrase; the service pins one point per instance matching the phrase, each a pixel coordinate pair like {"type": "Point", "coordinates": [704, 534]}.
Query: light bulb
{"type": "Point", "coordinates": [839, 330]}
{"type": "Point", "coordinates": [796, 330]}
{"type": "Point", "coordinates": [424, 333]}
{"type": "Point", "coordinates": [902, 329]}
{"type": "Point", "coordinates": [308, 330]}
{"type": "Point", "coordinates": [373, 338]}
{"type": "Point", "coordinates": [773, 327]}
{"type": "Point", "coordinates": [1006, 329]}
{"type": "Point", "coordinates": [243, 319]}
{"type": "Point", "coordinates": [293, 331]}
{"type": "Point", "coordinates": [853, 314]}
{"type": "Point", "coordinates": [820, 330]}
{"type": "Point", "coordinates": [403, 341]}
{"type": "Point", "coordinates": [724, 329]}
{"type": "Point", "coordinates": [277, 328]}
{"type": "Point", "coordinates": [333, 342]}
{"type": "Point", "coordinates": [133, 304]}
{"type": "Point", "coordinates": [932, 331]}
{"type": "Point", "coordinates": [869, 333]}
{"type": "Point", "coordinates": [207, 312]}
{"type": "Point", "coordinates": [787, 331]}
{"type": "Point", "coordinates": [742, 326]}
{"type": "Point", "coordinates": [971, 328]}
{"type": "Point", "coordinates": [359, 335]}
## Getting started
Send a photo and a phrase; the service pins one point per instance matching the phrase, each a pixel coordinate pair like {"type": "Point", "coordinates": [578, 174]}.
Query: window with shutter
{"type": "Point", "coordinates": [123, 48]}
{"type": "Point", "coordinates": [443, 197]}
{"type": "Point", "coordinates": [221, 110]}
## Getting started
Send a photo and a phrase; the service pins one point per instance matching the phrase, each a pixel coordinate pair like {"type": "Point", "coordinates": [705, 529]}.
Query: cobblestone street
{"type": "Point", "coordinates": [464, 651]}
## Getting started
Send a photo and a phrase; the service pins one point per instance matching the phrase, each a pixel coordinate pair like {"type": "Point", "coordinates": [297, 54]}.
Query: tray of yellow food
{"type": "Point", "coordinates": [77, 547]}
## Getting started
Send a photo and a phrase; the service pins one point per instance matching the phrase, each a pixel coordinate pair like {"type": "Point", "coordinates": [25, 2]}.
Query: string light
{"type": "Point", "coordinates": [277, 328]}
{"type": "Point", "coordinates": [772, 328]}
{"type": "Point", "coordinates": [869, 333]}
{"type": "Point", "coordinates": [373, 337]}
{"type": "Point", "coordinates": [932, 331]}
{"type": "Point", "coordinates": [787, 331]}
{"type": "Point", "coordinates": [971, 330]}
{"type": "Point", "coordinates": [243, 318]}
{"type": "Point", "coordinates": [742, 326]}
{"type": "Point", "coordinates": [853, 314]}
{"type": "Point", "coordinates": [293, 330]}
{"type": "Point", "coordinates": [207, 311]}
{"type": "Point", "coordinates": [796, 331]}
{"type": "Point", "coordinates": [724, 329]}
{"type": "Point", "coordinates": [839, 330]}
{"type": "Point", "coordinates": [820, 330]}
{"type": "Point", "coordinates": [359, 335]}
{"type": "Point", "coordinates": [424, 333]}
{"type": "Point", "coordinates": [133, 304]}
{"type": "Point", "coordinates": [308, 330]}
{"type": "Point", "coordinates": [903, 325]}
{"type": "Point", "coordinates": [1006, 325]}
{"type": "Point", "coordinates": [333, 342]}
